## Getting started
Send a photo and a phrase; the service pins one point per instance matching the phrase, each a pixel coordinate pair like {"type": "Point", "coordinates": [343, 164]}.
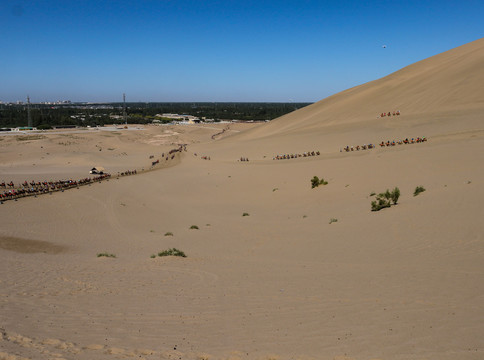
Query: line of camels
{"type": "Point", "coordinates": [45, 187]}
{"type": "Point", "coordinates": [385, 144]}
{"type": "Point", "coordinates": [295, 156]}
{"type": "Point", "coordinates": [34, 188]}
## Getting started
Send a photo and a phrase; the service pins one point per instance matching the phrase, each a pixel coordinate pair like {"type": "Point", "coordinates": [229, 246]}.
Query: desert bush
{"type": "Point", "coordinates": [418, 190]}
{"type": "Point", "coordinates": [315, 182]}
{"type": "Point", "coordinates": [105, 254]}
{"type": "Point", "coordinates": [380, 203]}
{"type": "Point", "coordinates": [172, 252]}
{"type": "Point", "coordinates": [245, 214]}
{"type": "Point", "coordinates": [169, 233]}
{"type": "Point", "coordinates": [383, 200]}
{"type": "Point", "coordinates": [332, 220]}
{"type": "Point", "coordinates": [194, 227]}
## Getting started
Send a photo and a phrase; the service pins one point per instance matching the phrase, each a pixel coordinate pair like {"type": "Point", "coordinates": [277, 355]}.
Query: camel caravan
{"type": "Point", "coordinates": [357, 147]}
{"type": "Point", "coordinates": [390, 113]}
{"type": "Point", "coordinates": [403, 142]}
{"type": "Point", "coordinates": [169, 156]}
{"type": "Point", "coordinates": [128, 172]}
{"type": "Point", "coordinates": [220, 133]}
{"type": "Point", "coordinates": [295, 156]}
{"type": "Point", "coordinates": [45, 187]}
{"type": "Point", "coordinates": [33, 188]}
{"type": "Point", "coordinates": [385, 144]}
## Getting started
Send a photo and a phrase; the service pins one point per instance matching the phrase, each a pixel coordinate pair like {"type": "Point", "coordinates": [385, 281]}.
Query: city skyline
{"type": "Point", "coordinates": [188, 51]}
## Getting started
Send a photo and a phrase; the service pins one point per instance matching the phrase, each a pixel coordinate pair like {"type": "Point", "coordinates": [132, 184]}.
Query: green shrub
{"type": "Point", "coordinates": [379, 204]}
{"type": "Point", "coordinates": [245, 214]}
{"type": "Point", "coordinates": [383, 200]}
{"type": "Point", "coordinates": [168, 233]}
{"type": "Point", "coordinates": [105, 254]}
{"type": "Point", "coordinates": [172, 252]}
{"type": "Point", "coordinates": [315, 182]}
{"type": "Point", "coordinates": [152, 256]}
{"type": "Point", "coordinates": [194, 227]}
{"type": "Point", "coordinates": [418, 190]}
{"type": "Point", "coordinates": [332, 220]}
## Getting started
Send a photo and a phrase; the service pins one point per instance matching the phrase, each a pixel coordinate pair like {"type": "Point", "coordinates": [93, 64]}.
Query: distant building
{"type": "Point", "coordinates": [97, 170]}
{"type": "Point", "coordinates": [190, 118]}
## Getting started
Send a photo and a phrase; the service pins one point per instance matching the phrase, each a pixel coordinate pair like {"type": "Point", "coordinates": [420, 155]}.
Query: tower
{"type": "Point", "coordinates": [124, 110]}
{"type": "Point", "coordinates": [29, 118]}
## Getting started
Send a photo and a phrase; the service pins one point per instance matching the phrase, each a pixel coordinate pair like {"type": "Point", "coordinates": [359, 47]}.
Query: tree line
{"type": "Point", "coordinates": [46, 116]}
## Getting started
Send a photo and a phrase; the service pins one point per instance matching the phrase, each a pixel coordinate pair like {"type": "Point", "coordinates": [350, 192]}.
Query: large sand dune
{"type": "Point", "coordinates": [284, 282]}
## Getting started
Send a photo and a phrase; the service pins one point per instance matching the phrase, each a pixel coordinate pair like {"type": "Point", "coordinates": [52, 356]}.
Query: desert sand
{"type": "Point", "coordinates": [286, 281]}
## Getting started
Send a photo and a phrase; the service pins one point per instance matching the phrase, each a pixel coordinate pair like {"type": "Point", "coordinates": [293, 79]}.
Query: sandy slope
{"type": "Point", "coordinates": [450, 82]}
{"type": "Point", "coordinates": [281, 283]}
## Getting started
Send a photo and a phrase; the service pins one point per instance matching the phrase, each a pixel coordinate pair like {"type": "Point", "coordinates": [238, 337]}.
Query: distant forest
{"type": "Point", "coordinates": [45, 116]}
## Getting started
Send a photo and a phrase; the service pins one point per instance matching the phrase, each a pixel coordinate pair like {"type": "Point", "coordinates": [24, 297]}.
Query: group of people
{"type": "Point", "coordinates": [219, 133]}
{"type": "Point", "coordinates": [357, 147]}
{"type": "Point", "coordinates": [169, 155]}
{"type": "Point", "coordinates": [294, 156]}
{"type": "Point", "coordinates": [128, 172]}
{"type": "Point", "coordinates": [403, 142]}
{"type": "Point", "coordinates": [390, 113]}
{"type": "Point", "coordinates": [204, 157]}
{"type": "Point", "coordinates": [34, 188]}
{"type": "Point", "coordinates": [384, 144]}
{"type": "Point", "coordinates": [45, 187]}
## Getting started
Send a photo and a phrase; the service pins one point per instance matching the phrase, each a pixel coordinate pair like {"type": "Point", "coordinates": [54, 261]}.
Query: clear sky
{"type": "Point", "coordinates": [231, 50]}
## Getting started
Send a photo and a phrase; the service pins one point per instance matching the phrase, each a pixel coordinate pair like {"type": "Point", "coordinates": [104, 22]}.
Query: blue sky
{"type": "Point", "coordinates": [232, 50]}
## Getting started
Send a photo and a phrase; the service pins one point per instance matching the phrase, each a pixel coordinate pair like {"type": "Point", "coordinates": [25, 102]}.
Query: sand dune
{"type": "Point", "coordinates": [286, 281]}
{"type": "Point", "coordinates": [450, 82]}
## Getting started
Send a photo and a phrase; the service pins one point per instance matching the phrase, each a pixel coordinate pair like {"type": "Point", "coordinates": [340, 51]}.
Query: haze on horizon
{"type": "Point", "coordinates": [251, 51]}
